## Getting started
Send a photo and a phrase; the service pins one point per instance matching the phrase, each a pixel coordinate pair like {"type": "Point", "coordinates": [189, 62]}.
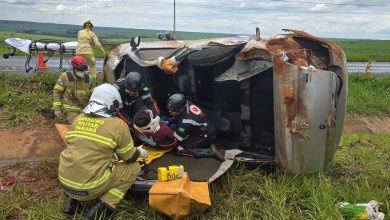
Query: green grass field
{"type": "Point", "coordinates": [365, 50]}
{"type": "Point", "coordinates": [368, 95]}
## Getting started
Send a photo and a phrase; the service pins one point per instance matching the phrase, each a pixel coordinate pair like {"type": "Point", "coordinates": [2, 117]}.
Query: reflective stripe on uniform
{"type": "Point", "coordinates": [71, 107]}
{"type": "Point", "coordinates": [57, 104]}
{"type": "Point", "coordinates": [122, 150]}
{"type": "Point", "coordinates": [91, 136]}
{"type": "Point", "coordinates": [80, 91]}
{"type": "Point", "coordinates": [116, 192]}
{"type": "Point", "coordinates": [189, 121]}
{"type": "Point", "coordinates": [177, 137]}
{"type": "Point", "coordinates": [75, 185]}
{"type": "Point", "coordinates": [58, 87]}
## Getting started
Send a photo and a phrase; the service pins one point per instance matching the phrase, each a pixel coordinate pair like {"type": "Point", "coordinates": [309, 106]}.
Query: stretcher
{"type": "Point", "coordinates": [46, 47]}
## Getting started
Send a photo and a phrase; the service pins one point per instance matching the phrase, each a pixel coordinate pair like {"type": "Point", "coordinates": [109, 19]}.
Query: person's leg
{"type": "Point", "coordinates": [199, 147]}
{"type": "Point", "coordinates": [122, 178]}
{"type": "Point", "coordinates": [91, 61]}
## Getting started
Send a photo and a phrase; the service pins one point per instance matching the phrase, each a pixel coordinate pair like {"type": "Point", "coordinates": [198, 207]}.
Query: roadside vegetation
{"type": "Point", "coordinates": [25, 101]}
{"type": "Point", "coordinates": [359, 173]}
{"type": "Point", "coordinates": [368, 95]}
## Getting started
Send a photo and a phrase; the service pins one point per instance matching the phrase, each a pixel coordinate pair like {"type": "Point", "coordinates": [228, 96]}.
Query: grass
{"type": "Point", "coordinates": [365, 50]}
{"type": "Point", "coordinates": [24, 100]}
{"type": "Point", "coordinates": [359, 173]}
{"type": "Point", "coordinates": [368, 95]}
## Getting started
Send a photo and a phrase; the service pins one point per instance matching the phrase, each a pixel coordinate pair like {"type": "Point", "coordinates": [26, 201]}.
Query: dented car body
{"type": "Point", "coordinates": [281, 96]}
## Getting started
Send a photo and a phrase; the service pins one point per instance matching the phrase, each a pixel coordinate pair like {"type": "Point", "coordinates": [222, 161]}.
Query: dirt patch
{"type": "Point", "coordinates": [29, 144]}
{"type": "Point", "coordinates": [371, 125]}
{"type": "Point", "coordinates": [40, 175]}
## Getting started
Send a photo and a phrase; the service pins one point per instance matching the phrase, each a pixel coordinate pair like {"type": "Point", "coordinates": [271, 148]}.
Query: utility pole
{"type": "Point", "coordinates": [174, 19]}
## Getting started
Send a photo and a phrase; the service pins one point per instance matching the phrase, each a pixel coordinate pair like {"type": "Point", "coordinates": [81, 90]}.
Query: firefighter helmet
{"type": "Point", "coordinates": [108, 96]}
{"type": "Point", "coordinates": [176, 103]}
{"type": "Point", "coordinates": [88, 23]}
{"type": "Point", "coordinates": [79, 63]}
{"type": "Point", "coordinates": [133, 81]}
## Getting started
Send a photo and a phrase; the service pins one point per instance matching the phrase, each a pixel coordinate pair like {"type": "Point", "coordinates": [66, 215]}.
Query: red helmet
{"type": "Point", "coordinates": [79, 63]}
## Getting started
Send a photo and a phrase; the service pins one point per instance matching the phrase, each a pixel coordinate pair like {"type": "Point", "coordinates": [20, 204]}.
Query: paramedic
{"type": "Point", "coordinates": [132, 89]}
{"type": "Point", "coordinates": [193, 129]}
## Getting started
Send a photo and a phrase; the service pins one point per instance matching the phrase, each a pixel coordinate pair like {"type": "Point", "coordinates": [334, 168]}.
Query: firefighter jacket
{"type": "Point", "coordinates": [93, 143]}
{"type": "Point", "coordinates": [72, 93]}
{"type": "Point", "coordinates": [129, 102]}
{"type": "Point", "coordinates": [85, 38]}
{"type": "Point", "coordinates": [192, 122]}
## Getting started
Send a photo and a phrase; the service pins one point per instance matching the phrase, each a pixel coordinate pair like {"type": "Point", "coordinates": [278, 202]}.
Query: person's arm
{"type": "Point", "coordinates": [58, 92]}
{"type": "Point", "coordinates": [125, 148]}
{"type": "Point", "coordinates": [97, 43]}
{"type": "Point", "coordinates": [149, 101]}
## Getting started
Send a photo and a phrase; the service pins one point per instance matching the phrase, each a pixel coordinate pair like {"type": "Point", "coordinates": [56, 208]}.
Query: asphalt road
{"type": "Point", "coordinates": [16, 65]}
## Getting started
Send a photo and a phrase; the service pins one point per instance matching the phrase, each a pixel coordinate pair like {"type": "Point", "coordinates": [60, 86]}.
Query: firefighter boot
{"type": "Point", "coordinates": [100, 211]}
{"type": "Point", "coordinates": [70, 206]}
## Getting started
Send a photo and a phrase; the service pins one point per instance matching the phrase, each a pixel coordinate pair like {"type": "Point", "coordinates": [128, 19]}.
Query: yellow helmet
{"type": "Point", "coordinates": [88, 23]}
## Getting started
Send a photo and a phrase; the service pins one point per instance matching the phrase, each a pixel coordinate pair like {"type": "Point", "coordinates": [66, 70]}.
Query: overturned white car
{"type": "Point", "coordinates": [278, 98]}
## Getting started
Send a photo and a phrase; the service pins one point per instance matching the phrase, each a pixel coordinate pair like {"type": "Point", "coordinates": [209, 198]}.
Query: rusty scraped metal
{"type": "Point", "coordinates": [296, 111]}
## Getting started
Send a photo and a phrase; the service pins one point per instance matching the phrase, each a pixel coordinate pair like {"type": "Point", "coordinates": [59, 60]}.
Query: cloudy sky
{"type": "Point", "coordinates": [324, 18]}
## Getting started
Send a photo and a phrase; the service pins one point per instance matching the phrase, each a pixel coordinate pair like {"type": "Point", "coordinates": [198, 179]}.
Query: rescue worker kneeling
{"type": "Point", "coordinates": [193, 130]}
{"type": "Point", "coordinates": [72, 90]}
{"type": "Point", "coordinates": [88, 167]}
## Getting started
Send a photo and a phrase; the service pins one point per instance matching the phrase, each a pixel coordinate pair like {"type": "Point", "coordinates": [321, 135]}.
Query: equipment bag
{"type": "Point", "coordinates": [179, 198]}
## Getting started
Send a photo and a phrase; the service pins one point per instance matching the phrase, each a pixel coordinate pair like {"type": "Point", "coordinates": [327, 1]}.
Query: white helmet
{"type": "Point", "coordinates": [105, 101]}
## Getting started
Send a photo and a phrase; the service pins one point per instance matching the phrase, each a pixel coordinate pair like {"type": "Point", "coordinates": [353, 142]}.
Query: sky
{"type": "Point", "coordinates": [358, 19]}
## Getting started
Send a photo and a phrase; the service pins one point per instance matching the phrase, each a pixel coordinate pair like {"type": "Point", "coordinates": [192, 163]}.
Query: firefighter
{"type": "Point", "coordinates": [100, 158]}
{"type": "Point", "coordinates": [85, 38]}
{"type": "Point", "coordinates": [72, 90]}
{"type": "Point", "coordinates": [193, 130]}
{"type": "Point", "coordinates": [131, 88]}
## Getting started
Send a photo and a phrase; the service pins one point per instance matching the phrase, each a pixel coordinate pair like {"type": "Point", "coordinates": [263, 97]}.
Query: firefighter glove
{"type": "Point", "coordinates": [142, 152]}
{"type": "Point", "coordinates": [57, 113]}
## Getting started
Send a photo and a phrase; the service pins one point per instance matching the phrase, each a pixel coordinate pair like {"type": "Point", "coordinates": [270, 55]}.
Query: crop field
{"type": "Point", "coordinates": [365, 50]}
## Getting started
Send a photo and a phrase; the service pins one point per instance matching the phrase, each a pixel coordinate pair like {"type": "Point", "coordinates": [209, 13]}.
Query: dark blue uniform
{"type": "Point", "coordinates": [129, 102]}
{"type": "Point", "coordinates": [193, 128]}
